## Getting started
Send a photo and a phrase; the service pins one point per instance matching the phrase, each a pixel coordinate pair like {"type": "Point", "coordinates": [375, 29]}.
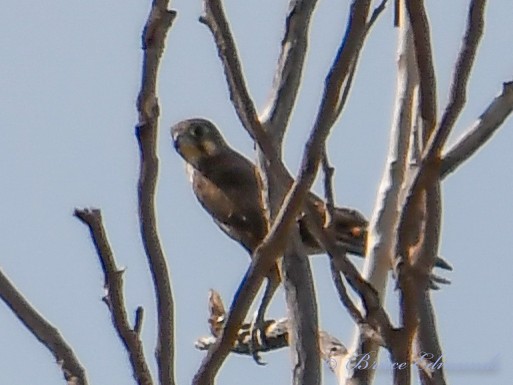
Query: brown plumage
{"type": "Point", "coordinates": [227, 186]}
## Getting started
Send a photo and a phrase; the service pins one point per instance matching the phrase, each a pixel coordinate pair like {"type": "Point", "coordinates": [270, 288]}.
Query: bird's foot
{"type": "Point", "coordinates": [257, 337]}
{"type": "Point", "coordinates": [434, 280]}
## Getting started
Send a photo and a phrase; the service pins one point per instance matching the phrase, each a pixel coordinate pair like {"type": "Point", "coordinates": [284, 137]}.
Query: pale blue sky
{"type": "Point", "coordinates": [69, 76]}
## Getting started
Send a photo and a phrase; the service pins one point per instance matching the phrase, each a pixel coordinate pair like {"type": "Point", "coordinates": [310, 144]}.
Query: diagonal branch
{"type": "Point", "coordinates": [342, 294]}
{"type": "Point", "coordinates": [264, 256]}
{"type": "Point", "coordinates": [275, 242]}
{"type": "Point", "coordinates": [215, 19]}
{"type": "Point", "coordinates": [480, 132]}
{"type": "Point", "coordinates": [114, 297]}
{"type": "Point", "coordinates": [461, 74]}
{"type": "Point", "coordinates": [46, 333]}
{"type": "Point", "coordinates": [287, 77]}
{"type": "Point", "coordinates": [340, 72]}
{"type": "Point", "coordinates": [349, 81]}
{"type": "Point", "coordinates": [157, 25]}
{"type": "Point", "coordinates": [431, 232]}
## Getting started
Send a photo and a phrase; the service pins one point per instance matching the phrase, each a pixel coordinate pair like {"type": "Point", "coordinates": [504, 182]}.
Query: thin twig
{"type": "Point", "coordinates": [328, 171]}
{"type": "Point", "coordinates": [153, 40]}
{"type": "Point", "coordinates": [72, 370]}
{"type": "Point", "coordinates": [343, 296]}
{"type": "Point", "coordinates": [113, 278]}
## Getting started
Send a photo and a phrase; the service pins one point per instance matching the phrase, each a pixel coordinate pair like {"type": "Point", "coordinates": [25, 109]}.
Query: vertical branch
{"type": "Point", "coordinates": [154, 35]}
{"type": "Point", "coordinates": [384, 221]}
{"type": "Point", "coordinates": [424, 58]}
{"type": "Point", "coordinates": [426, 339]}
{"type": "Point", "coordinates": [302, 312]}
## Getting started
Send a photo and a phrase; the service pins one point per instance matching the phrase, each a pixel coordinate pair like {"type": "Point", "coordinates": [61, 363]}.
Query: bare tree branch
{"type": "Point", "coordinates": [114, 297]}
{"type": "Point", "coordinates": [424, 58]}
{"type": "Point", "coordinates": [328, 171]}
{"type": "Point", "coordinates": [374, 312]}
{"type": "Point", "coordinates": [349, 81]}
{"type": "Point", "coordinates": [461, 74]}
{"type": "Point", "coordinates": [384, 222]}
{"type": "Point", "coordinates": [215, 19]}
{"type": "Point", "coordinates": [480, 132]}
{"type": "Point", "coordinates": [72, 370]}
{"type": "Point", "coordinates": [298, 281]}
{"type": "Point", "coordinates": [287, 77]}
{"type": "Point", "coordinates": [426, 339]}
{"type": "Point", "coordinates": [153, 39]}
{"type": "Point", "coordinates": [264, 256]}
{"type": "Point", "coordinates": [302, 311]}
{"type": "Point", "coordinates": [274, 244]}
{"type": "Point", "coordinates": [275, 335]}
{"type": "Point", "coordinates": [275, 331]}
{"type": "Point", "coordinates": [343, 296]}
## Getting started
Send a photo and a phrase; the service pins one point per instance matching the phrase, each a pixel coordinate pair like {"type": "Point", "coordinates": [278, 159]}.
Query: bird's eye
{"type": "Point", "coordinates": [197, 131]}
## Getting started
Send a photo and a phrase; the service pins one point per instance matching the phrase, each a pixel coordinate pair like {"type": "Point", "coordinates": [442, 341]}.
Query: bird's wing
{"type": "Point", "coordinates": [236, 221]}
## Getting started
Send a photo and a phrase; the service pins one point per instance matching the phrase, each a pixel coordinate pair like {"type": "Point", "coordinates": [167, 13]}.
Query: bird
{"type": "Point", "coordinates": [227, 185]}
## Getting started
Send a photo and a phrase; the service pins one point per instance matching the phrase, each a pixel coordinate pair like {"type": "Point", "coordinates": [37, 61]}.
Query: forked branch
{"type": "Point", "coordinates": [114, 297]}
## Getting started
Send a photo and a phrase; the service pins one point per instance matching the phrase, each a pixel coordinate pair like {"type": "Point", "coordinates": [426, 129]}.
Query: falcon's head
{"type": "Point", "coordinates": [197, 140]}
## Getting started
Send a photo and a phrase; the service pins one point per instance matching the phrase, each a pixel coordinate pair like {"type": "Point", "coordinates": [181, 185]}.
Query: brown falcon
{"type": "Point", "coordinates": [227, 186]}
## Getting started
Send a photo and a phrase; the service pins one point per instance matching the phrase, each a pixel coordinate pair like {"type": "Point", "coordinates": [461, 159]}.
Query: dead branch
{"type": "Point", "coordinates": [426, 339]}
{"type": "Point", "coordinates": [287, 76]}
{"type": "Point", "coordinates": [295, 267]}
{"type": "Point", "coordinates": [480, 132]}
{"type": "Point", "coordinates": [275, 335]}
{"type": "Point", "coordinates": [424, 59]}
{"type": "Point", "coordinates": [265, 255]}
{"type": "Point", "coordinates": [302, 310]}
{"type": "Point", "coordinates": [349, 81]}
{"type": "Point", "coordinates": [153, 39]}
{"type": "Point", "coordinates": [72, 370]}
{"type": "Point", "coordinates": [461, 74]}
{"type": "Point", "coordinates": [114, 298]}
{"type": "Point", "coordinates": [343, 296]}
{"type": "Point", "coordinates": [384, 222]}
{"type": "Point", "coordinates": [215, 19]}
{"type": "Point", "coordinates": [328, 171]}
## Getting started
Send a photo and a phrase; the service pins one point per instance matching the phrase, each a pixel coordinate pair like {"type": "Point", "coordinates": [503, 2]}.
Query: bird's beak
{"type": "Point", "coordinates": [176, 140]}
{"type": "Point", "coordinates": [186, 146]}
